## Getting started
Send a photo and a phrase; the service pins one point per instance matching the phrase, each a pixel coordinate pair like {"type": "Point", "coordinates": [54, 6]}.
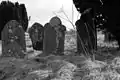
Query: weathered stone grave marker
{"type": "Point", "coordinates": [36, 34]}
{"type": "Point", "coordinates": [54, 35]}
{"type": "Point", "coordinates": [61, 38]}
{"type": "Point", "coordinates": [87, 33]}
{"type": "Point", "coordinates": [82, 37]}
{"type": "Point", "coordinates": [49, 42]}
{"type": "Point", "coordinates": [13, 40]}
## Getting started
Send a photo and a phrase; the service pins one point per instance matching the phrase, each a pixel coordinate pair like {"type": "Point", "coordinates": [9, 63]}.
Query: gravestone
{"type": "Point", "coordinates": [60, 29]}
{"type": "Point", "coordinates": [108, 37]}
{"type": "Point", "coordinates": [82, 36]}
{"type": "Point", "coordinates": [36, 33]}
{"type": "Point", "coordinates": [49, 42]}
{"type": "Point", "coordinates": [61, 39]}
{"type": "Point", "coordinates": [87, 32]}
{"type": "Point", "coordinates": [13, 40]}
{"type": "Point", "coordinates": [54, 35]}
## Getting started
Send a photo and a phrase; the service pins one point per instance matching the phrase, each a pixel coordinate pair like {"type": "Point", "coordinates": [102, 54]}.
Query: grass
{"type": "Point", "coordinates": [106, 65]}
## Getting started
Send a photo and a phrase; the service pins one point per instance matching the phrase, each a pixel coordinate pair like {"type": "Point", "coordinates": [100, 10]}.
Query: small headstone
{"type": "Point", "coordinates": [36, 33]}
{"type": "Point", "coordinates": [13, 40]}
{"type": "Point", "coordinates": [54, 35]}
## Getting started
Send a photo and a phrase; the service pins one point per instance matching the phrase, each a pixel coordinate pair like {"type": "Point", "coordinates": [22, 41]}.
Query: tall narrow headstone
{"type": "Point", "coordinates": [54, 35]}
{"type": "Point", "coordinates": [49, 42]}
{"type": "Point", "coordinates": [36, 34]}
{"type": "Point", "coordinates": [13, 40]}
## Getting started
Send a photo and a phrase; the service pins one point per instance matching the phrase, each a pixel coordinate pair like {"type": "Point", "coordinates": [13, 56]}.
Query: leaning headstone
{"type": "Point", "coordinates": [54, 35]}
{"type": "Point", "coordinates": [36, 33]}
{"type": "Point", "coordinates": [82, 36]}
{"type": "Point", "coordinates": [87, 33]}
{"type": "Point", "coordinates": [13, 40]}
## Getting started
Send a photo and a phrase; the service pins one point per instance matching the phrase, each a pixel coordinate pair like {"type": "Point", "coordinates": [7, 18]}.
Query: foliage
{"type": "Point", "coordinates": [104, 12]}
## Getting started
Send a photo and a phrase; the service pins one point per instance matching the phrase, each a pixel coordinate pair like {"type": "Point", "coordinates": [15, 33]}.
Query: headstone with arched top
{"type": "Point", "coordinates": [54, 35]}
{"type": "Point", "coordinates": [13, 40]}
{"type": "Point", "coordinates": [36, 34]}
{"type": "Point", "coordinates": [49, 41]}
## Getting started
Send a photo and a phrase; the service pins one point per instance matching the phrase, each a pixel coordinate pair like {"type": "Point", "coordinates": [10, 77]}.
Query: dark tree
{"type": "Point", "coordinates": [13, 11]}
{"type": "Point", "coordinates": [106, 14]}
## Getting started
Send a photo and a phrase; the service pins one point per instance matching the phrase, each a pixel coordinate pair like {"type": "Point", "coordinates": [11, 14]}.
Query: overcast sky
{"type": "Point", "coordinates": [43, 10]}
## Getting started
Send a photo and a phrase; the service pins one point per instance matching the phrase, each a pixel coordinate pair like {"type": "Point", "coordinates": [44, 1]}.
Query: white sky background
{"type": "Point", "coordinates": [42, 10]}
